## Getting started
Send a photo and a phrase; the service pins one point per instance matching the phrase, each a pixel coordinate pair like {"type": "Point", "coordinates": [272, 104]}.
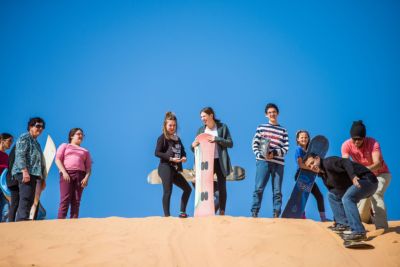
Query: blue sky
{"type": "Point", "coordinates": [114, 69]}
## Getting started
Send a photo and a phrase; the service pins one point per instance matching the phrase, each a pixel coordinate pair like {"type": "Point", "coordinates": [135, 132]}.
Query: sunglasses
{"type": "Point", "coordinates": [38, 126]}
{"type": "Point", "coordinates": [357, 138]}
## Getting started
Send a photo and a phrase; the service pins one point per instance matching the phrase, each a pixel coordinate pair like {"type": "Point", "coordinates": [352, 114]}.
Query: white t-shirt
{"type": "Point", "coordinates": [213, 132]}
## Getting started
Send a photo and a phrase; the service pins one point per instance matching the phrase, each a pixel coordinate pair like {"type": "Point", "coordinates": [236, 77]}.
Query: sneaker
{"type": "Point", "coordinates": [355, 237]}
{"type": "Point", "coordinates": [340, 228]}
{"type": "Point", "coordinates": [254, 214]}
{"type": "Point", "coordinates": [183, 215]}
{"type": "Point", "coordinates": [333, 225]}
{"type": "Point", "coordinates": [347, 232]}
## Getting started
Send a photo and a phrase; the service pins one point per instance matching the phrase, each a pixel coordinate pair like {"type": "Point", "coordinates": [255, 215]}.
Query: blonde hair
{"type": "Point", "coordinates": [169, 116]}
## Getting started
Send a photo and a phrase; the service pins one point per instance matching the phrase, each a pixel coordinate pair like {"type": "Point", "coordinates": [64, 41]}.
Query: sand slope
{"type": "Point", "coordinates": [215, 241]}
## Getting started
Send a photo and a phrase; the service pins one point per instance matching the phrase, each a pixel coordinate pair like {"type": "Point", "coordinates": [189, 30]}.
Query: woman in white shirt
{"type": "Point", "coordinates": [221, 136]}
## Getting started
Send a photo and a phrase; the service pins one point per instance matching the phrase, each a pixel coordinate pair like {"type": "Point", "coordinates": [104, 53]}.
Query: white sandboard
{"type": "Point", "coordinates": [49, 154]}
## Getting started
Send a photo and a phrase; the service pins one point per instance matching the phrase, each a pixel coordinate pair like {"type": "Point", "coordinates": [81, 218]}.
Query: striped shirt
{"type": "Point", "coordinates": [279, 142]}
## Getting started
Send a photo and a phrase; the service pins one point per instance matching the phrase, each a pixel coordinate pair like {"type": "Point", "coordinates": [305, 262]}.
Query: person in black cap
{"type": "Point", "coordinates": [348, 182]}
{"type": "Point", "coordinates": [366, 151]}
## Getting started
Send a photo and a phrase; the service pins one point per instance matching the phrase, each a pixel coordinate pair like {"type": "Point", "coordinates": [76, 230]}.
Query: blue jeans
{"type": "Point", "coordinates": [344, 207]}
{"type": "Point", "coordinates": [4, 207]}
{"type": "Point", "coordinates": [264, 170]}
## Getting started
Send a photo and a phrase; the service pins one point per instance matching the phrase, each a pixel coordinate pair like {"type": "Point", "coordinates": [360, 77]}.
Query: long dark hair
{"type": "Point", "coordinates": [172, 117]}
{"type": "Point", "coordinates": [300, 132]}
{"type": "Point", "coordinates": [209, 111]}
{"type": "Point", "coordinates": [72, 132]}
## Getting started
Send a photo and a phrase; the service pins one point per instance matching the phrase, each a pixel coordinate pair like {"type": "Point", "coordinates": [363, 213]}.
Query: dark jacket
{"type": "Point", "coordinates": [223, 141]}
{"type": "Point", "coordinates": [338, 173]}
{"type": "Point", "coordinates": [11, 182]}
{"type": "Point", "coordinates": [164, 151]}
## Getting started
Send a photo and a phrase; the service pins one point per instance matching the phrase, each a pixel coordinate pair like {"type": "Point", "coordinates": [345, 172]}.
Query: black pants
{"type": "Point", "coordinates": [26, 197]}
{"type": "Point", "coordinates": [316, 193]}
{"type": "Point", "coordinates": [169, 175]}
{"type": "Point", "coordinates": [221, 184]}
{"type": "Point", "coordinates": [13, 203]}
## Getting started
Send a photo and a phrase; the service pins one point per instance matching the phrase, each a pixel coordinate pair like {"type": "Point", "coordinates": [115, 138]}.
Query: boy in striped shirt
{"type": "Point", "coordinates": [271, 165]}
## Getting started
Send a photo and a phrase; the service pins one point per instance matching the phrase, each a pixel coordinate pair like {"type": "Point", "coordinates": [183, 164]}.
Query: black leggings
{"type": "Point", "coordinates": [13, 203]}
{"type": "Point", "coordinates": [316, 193]}
{"type": "Point", "coordinates": [221, 183]}
{"type": "Point", "coordinates": [169, 175]}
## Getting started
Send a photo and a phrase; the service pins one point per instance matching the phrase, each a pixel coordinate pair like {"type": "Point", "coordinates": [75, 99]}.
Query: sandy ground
{"type": "Point", "coordinates": [212, 241]}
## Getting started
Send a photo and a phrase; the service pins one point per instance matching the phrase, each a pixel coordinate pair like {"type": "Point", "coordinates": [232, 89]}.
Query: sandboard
{"type": "Point", "coordinates": [357, 245]}
{"type": "Point", "coordinates": [204, 168]}
{"type": "Point", "coordinates": [305, 181]}
{"type": "Point", "coordinates": [351, 244]}
{"type": "Point", "coordinates": [237, 174]}
{"type": "Point", "coordinates": [3, 185]}
{"type": "Point", "coordinates": [354, 244]}
{"type": "Point", "coordinates": [49, 153]}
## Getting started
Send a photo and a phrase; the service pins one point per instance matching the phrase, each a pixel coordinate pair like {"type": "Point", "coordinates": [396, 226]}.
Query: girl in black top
{"type": "Point", "coordinates": [171, 152]}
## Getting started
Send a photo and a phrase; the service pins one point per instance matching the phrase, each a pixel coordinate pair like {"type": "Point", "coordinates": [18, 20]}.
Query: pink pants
{"type": "Point", "coordinates": [70, 194]}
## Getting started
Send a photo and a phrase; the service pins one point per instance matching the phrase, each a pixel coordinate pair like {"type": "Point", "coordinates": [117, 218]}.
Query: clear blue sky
{"type": "Point", "coordinates": [114, 69]}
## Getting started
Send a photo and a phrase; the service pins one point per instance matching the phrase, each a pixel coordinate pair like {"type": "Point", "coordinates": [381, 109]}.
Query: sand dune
{"type": "Point", "coordinates": [213, 241]}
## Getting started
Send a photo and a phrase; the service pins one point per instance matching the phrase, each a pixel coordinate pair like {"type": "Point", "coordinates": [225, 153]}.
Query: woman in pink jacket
{"type": "Point", "coordinates": [74, 163]}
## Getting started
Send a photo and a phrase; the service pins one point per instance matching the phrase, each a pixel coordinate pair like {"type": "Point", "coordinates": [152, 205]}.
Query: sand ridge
{"type": "Point", "coordinates": [211, 241]}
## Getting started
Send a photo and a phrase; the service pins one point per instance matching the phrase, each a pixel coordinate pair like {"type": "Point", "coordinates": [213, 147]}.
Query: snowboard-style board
{"type": "Point", "coordinates": [305, 181]}
{"type": "Point", "coordinates": [204, 167]}
{"type": "Point", "coordinates": [354, 244]}
{"type": "Point", "coordinates": [48, 154]}
{"type": "Point", "coordinates": [3, 184]}
{"type": "Point", "coordinates": [237, 174]}
{"type": "Point", "coordinates": [357, 245]}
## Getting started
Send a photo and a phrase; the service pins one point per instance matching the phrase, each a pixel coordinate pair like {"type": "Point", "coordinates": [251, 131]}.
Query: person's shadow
{"type": "Point", "coordinates": [375, 233]}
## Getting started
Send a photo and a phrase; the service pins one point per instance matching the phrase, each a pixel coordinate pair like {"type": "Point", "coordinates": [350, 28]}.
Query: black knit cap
{"type": "Point", "coordinates": [358, 129]}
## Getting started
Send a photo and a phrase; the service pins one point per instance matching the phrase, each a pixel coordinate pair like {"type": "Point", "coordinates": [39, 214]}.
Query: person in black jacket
{"type": "Point", "coordinates": [348, 182]}
{"type": "Point", "coordinates": [12, 185]}
{"type": "Point", "coordinates": [171, 152]}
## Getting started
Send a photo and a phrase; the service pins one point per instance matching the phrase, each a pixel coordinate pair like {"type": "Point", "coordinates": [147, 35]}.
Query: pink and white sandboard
{"type": "Point", "coordinates": [204, 168]}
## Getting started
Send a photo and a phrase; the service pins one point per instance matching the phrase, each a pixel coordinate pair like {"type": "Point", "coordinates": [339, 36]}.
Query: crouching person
{"type": "Point", "coordinates": [348, 182]}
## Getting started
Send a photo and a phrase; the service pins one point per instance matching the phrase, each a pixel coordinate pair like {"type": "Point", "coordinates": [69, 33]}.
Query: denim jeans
{"type": "Point", "coordinates": [4, 207]}
{"type": "Point", "coordinates": [264, 170]}
{"type": "Point", "coordinates": [337, 208]}
{"type": "Point", "coordinates": [345, 208]}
